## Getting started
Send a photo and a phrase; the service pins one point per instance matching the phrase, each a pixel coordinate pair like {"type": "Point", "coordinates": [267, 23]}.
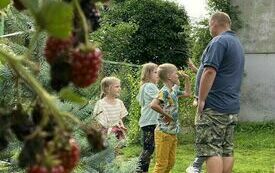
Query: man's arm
{"type": "Point", "coordinates": [207, 78]}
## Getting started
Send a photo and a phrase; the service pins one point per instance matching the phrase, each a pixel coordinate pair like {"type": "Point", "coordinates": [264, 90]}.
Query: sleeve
{"type": "Point", "coordinates": [100, 115]}
{"type": "Point", "coordinates": [177, 90]}
{"type": "Point", "coordinates": [124, 111]}
{"type": "Point", "coordinates": [214, 55]}
{"type": "Point", "coordinates": [151, 90]}
{"type": "Point", "coordinates": [162, 95]}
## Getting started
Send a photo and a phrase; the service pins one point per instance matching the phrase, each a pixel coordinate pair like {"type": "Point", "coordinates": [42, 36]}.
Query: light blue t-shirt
{"type": "Point", "coordinates": [147, 92]}
{"type": "Point", "coordinates": [225, 54]}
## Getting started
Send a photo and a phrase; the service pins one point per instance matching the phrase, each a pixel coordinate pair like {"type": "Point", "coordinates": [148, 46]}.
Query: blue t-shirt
{"type": "Point", "coordinates": [225, 54]}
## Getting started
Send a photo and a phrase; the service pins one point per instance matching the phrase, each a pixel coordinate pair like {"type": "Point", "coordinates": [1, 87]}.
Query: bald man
{"type": "Point", "coordinates": [219, 80]}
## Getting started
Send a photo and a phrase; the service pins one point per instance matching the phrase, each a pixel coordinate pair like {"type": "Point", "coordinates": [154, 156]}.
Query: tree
{"type": "Point", "coordinates": [200, 32]}
{"type": "Point", "coordinates": [153, 30]}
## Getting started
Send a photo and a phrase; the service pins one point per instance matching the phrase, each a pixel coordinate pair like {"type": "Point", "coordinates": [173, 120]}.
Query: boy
{"type": "Point", "coordinates": [166, 104]}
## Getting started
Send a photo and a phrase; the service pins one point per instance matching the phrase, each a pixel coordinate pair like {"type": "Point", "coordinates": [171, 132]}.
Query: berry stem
{"type": "Point", "coordinates": [83, 21]}
{"type": "Point", "coordinates": [32, 44]}
{"type": "Point", "coordinates": [49, 101]}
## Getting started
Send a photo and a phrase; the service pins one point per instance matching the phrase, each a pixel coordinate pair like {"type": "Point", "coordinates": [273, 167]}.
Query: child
{"type": "Point", "coordinates": [148, 120]}
{"type": "Point", "coordinates": [196, 166]}
{"type": "Point", "coordinates": [194, 69]}
{"type": "Point", "coordinates": [166, 104]}
{"type": "Point", "coordinates": [110, 110]}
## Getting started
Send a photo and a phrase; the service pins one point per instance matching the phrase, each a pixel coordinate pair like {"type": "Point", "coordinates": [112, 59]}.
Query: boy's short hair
{"type": "Point", "coordinates": [164, 70]}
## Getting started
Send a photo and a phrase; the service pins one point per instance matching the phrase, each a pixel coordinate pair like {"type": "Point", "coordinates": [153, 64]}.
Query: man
{"type": "Point", "coordinates": [219, 78]}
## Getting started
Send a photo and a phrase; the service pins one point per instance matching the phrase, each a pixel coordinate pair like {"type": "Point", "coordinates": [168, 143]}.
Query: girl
{"type": "Point", "coordinates": [148, 120]}
{"type": "Point", "coordinates": [109, 110]}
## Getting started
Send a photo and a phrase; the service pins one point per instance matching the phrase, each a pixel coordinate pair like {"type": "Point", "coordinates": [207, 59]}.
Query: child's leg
{"type": "Point", "coordinates": [198, 162]}
{"type": "Point", "coordinates": [162, 142]}
{"type": "Point", "coordinates": [148, 148]}
{"type": "Point", "coordinates": [172, 154]}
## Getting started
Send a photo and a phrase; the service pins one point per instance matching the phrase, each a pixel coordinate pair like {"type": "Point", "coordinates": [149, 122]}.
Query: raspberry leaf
{"type": "Point", "coordinates": [68, 94]}
{"type": "Point", "coordinates": [56, 18]}
{"type": "Point", "coordinates": [4, 3]}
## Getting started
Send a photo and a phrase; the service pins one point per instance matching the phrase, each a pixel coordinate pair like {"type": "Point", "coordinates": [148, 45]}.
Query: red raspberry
{"type": "Point", "coordinates": [58, 169]}
{"type": "Point", "coordinates": [57, 48]}
{"type": "Point", "coordinates": [85, 66]}
{"type": "Point", "coordinates": [70, 158]}
{"type": "Point", "coordinates": [37, 169]}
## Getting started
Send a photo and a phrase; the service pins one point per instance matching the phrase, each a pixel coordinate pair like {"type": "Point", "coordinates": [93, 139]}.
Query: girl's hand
{"type": "Point", "coordinates": [124, 128]}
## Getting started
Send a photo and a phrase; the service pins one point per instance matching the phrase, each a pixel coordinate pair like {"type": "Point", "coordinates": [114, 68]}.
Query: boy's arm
{"type": "Point", "coordinates": [187, 85]}
{"type": "Point", "coordinates": [191, 65]}
{"type": "Point", "coordinates": [155, 105]}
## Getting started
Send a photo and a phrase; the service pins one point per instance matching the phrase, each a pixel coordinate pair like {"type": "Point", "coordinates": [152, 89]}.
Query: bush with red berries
{"type": "Point", "coordinates": [46, 131]}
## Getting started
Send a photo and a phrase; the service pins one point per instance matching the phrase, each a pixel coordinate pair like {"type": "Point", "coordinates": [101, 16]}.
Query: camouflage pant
{"type": "Point", "coordinates": [214, 133]}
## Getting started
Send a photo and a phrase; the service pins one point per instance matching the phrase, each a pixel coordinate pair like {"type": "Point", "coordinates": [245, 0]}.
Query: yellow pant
{"type": "Point", "coordinates": [166, 145]}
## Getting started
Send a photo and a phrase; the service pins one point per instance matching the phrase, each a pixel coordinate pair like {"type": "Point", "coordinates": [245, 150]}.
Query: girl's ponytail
{"type": "Point", "coordinates": [106, 83]}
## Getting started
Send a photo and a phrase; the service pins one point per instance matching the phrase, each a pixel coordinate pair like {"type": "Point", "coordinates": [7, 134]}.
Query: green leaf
{"type": "Point", "coordinates": [4, 3]}
{"type": "Point", "coordinates": [68, 94]}
{"type": "Point", "coordinates": [32, 5]}
{"type": "Point", "coordinates": [2, 61]}
{"type": "Point", "coordinates": [56, 18]}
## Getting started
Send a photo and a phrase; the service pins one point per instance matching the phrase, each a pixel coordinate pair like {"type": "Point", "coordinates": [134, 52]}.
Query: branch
{"type": "Point", "coordinates": [48, 100]}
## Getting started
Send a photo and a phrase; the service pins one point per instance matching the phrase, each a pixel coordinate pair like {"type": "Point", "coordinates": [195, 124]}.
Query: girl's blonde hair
{"type": "Point", "coordinates": [106, 83]}
{"type": "Point", "coordinates": [164, 70]}
{"type": "Point", "coordinates": [146, 70]}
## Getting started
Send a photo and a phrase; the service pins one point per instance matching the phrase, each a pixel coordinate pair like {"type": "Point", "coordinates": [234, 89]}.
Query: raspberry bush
{"type": "Point", "coordinates": [46, 131]}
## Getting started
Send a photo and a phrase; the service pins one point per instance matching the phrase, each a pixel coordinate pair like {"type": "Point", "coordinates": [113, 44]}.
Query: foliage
{"type": "Point", "coordinates": [157, 31]}
{"type": "Point", "coordinates": [134, 108]}
{"type": "Point", "coordinates": [227, 7]}
{"type": "Point", "coordinates": [22, 82]}
{"type": "Point", "coordinates": [200, 31]}
{"type": "Point", "coordinates": [114, 40]}
{"type": "Point", "coordinates": [200, 38]}
{"type": "Point", "coordinates": [254, 148]}
{"type": "Point", "coordinates": [187, 111]}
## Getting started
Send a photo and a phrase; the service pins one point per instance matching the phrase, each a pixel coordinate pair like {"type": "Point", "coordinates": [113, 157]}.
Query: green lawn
{"type": "Point", "coordinates": [254, 149]}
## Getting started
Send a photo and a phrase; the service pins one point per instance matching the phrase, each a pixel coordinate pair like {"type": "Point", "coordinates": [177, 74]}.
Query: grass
{"type": "Point", "coordinates": [254, 149]}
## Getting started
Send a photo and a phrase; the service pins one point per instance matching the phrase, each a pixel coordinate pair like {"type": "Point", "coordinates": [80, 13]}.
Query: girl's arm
{"type": "Point", "coordinates": [121, 125]}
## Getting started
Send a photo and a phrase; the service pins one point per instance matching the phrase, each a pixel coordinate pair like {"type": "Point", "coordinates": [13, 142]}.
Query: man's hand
{"type": "Point", "coordinates": [195, 102]}
{"type": "Point", "coordinates": [200, 107]}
